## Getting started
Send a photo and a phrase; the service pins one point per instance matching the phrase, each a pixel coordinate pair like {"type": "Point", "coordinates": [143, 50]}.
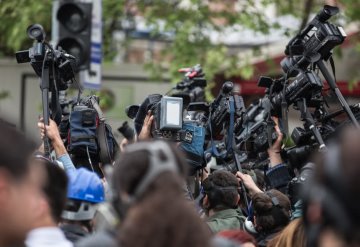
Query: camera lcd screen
{"type": "Point", "coordinates": [171, 113]}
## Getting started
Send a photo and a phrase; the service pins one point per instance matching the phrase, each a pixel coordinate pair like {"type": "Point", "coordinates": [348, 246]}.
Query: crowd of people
{"type": "Point", "coordinates": [144, 197]}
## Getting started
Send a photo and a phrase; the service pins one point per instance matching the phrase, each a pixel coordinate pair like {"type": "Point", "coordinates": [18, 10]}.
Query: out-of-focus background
{"type": "Point", "coordinates": [145, 42]}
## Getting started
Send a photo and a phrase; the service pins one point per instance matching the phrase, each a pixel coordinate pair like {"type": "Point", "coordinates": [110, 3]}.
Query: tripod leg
{"type": "Point", "coordinates": [331, 81]}
{"type": "Point", "coordinates": [309, 120]}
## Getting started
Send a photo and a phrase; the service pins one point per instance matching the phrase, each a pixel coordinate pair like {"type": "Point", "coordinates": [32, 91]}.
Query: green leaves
{"type": "Point", "coordinates": [15, 17]}
{"type": "Point", "coordinates": [191, 22]}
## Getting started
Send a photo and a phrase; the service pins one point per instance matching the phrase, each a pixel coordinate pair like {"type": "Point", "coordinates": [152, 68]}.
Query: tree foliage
{"type": "Point", "coordinates": [189, 21]}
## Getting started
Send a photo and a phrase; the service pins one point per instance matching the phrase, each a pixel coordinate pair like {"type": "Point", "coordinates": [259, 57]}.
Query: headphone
{"type": "Point", "coordinates": [249, 224]}
{"type": "Point", "coordinates": [215, 191]}
{"type": "Point", "coordinates": [157, 165]}
{"type": "Point", "coordinates": [276, 207]}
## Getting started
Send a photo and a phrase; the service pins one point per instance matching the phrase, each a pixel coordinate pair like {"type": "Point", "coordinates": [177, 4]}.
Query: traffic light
{"type": "Point", "coordinates": [74, 30]}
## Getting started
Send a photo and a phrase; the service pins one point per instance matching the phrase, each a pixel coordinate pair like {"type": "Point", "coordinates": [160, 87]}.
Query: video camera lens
{"type": "Point", "coordinates": [127, 131]}
{"type": "Point", "coordinates": [227, 87]}
{"type": "Point", "coordinates": [327, 12]}
{"type": "Point", "coordinates": [36, 32]}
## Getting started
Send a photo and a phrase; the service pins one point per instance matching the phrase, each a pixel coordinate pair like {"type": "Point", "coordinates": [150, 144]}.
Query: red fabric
{"type": "Point", "coordinates": [238, 236]}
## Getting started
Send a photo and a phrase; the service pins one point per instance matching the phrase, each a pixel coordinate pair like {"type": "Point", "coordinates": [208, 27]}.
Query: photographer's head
{"type": "Point", "coordinates": [271, 211]}
{"type": "Point", "coordinates": [331, 202]}
{"type": "Point", "coordinates": [54, 187]}
{"type": "Point", "coordinates": [221, 191]}
{"type": "Point", "coordinates": [19, 189]}
{"type": "Point", "coordinates": [137, 170]}
{"type": "Point", "coordinates": [149, 180]}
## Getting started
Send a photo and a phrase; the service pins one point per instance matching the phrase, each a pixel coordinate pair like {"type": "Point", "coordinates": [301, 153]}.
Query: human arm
{"type": "Point", "coordinates": [277, 175]}
{"type": "Point", "coordinates": [53, 134]}
{"type": "Point", "coordinates": [249, 183]}
{"type": "Point", "coordinates": [274, 151]}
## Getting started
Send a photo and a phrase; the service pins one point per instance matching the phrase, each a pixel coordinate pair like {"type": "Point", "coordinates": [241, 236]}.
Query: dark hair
{"type": "Point", "coordinates": [162, 216]}
{"type": "Point", "coordinates": [270, 216]}
{"type": "Point", "coordinates": [260, 179]}
{"type": "Point", "coordinates": [221, 187]}
{"type": "Point", "coordinates": [334, 190]}
{"type": "Point", "coordinates": [238, 236]}
{"type": "Point", "coordinates": [15, 150]}
{"type": "Point", "coordinates": [54, 188]}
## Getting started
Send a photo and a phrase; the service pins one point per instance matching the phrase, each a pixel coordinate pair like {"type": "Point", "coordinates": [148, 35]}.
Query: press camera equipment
{"type": "Point", "coordinates": [224, 110]}
{"type": "Point", "coordinates": [305, 85]}
{"type": "Point", "coordinates": [221, 116]}
{"type": "Point", "coordinates": [131, 111]}
{"type": "Point", "coordinates": [306, 142]}
{"type": "Point", "coordinates": [168, 118]}
{"type": "Point", "coordinates": [296, 185]}
{"type": "Point", "coordinates": [127, 131]}
{"type": "Point", "coordinates": [254, 131]}
{"type": "Point", "coordinates": [314, 45]}
{"type": "Point", "coordinates": [89, 139]}
{"type": "Point", "coordinates": [66, 105]}
{"type": "Point", "coordinates": [191, 87]}
{"type": "Point", "coordinates": [54, 67]}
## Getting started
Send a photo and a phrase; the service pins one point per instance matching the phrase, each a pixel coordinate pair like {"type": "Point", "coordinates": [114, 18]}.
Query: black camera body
{"type": "Point", "coordinates": [313, 43]}
{"type": "Point", "coordinates": [191, 87]}
{"type": "Point", "coordinates": [127, 131]}
{"type": "Point", "coordinates": [222, 107]}
{"type": "Point", "coordinates": [168, 118]}
{"type": "Point", "coordinates": [255, 130]}
{"type": "Point", "coordinates": [305, 85]}
{"type": "Point", "coordinates": [296, 185]}
{"type": "Point", "coordinates": [40, 56]}
{"type": "Point", "coordinates": [54, 67]}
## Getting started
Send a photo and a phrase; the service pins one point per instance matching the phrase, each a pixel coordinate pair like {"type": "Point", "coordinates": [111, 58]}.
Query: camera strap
{"type": "Point", "coordinates": [284, 108]}
{"type": "Point", "coordinates": [230, 132]}
{"type": "Point", "coordinates": [231, 125]}
{"type": "Point", "coordinates": [105, 156]}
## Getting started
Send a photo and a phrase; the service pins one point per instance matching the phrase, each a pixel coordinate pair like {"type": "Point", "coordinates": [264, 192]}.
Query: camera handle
{"type": "Point", "coordinates": [309, 120]}
{"type": "Point", "coordinates": [45, 85]}
{"type": "Point", "coordinates": [331, 81]}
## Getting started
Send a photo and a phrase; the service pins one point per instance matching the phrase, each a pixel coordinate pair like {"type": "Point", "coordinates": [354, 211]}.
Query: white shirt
{"type": "Point", "coordinates": [47, 236]}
